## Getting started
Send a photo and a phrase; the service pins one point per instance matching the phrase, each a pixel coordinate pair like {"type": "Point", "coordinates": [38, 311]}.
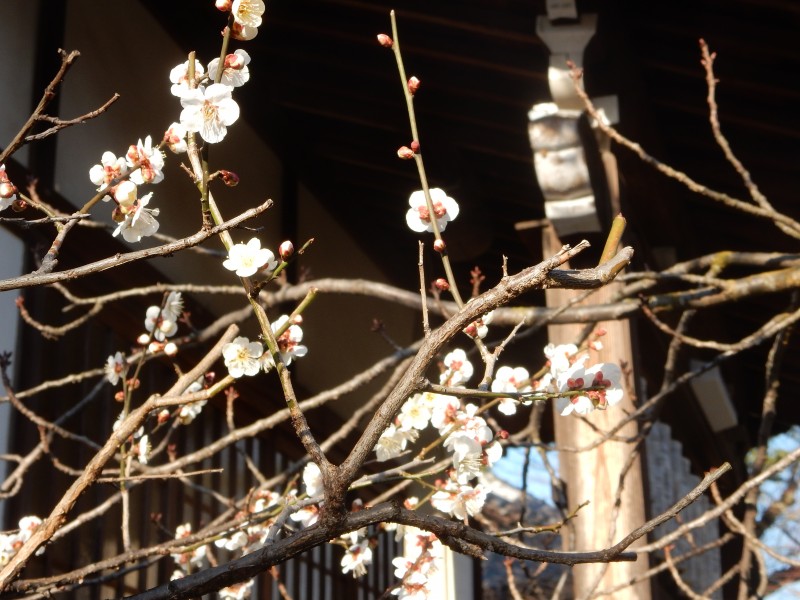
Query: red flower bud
{"type": "Point", "coordinates": [385, 41]}
{"type": "Point", "coordinates": [229, 178]}
{"type": "Point", "coordinates": [285, 250]}
{"type": "Point", "coordinates": [163, 416]}
{"type": "Point", "coordinates": [413, 85]}
{"type": "Point", "coordinates": [405, 152]}
{"type": "Point", "coordinates": [439, 246]}
{"type": "Point", "coordinates": [415, 146]}
{"type": "Point", "coordinates": [19, 205]}
{"type": "Point", "coordinates": [441, 284]}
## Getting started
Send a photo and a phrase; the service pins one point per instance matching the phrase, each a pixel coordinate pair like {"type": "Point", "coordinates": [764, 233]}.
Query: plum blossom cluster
{"type": "Point", "coordinates": [120, 178]}
{"type": "Point", "coordinates": [11, 542]}
{"type": "Point", "coordinates": [161, 322]}
{"type": "Point", "coordinates": [206, 97]}
{"type": "Point", "coordinates": [192, 558]}
{"type": "Point", "coordinates": [257, 519]}
{"type": "Point", "coordinates": [422, 553]}
{"type": "Point", "coordinates": [243, 357]}
{"type": "Point", "coordinates": [466, 436]}
{"type": "Point", "coordinates": [585, 388]}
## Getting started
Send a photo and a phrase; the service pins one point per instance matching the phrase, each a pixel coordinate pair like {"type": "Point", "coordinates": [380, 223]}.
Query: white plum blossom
{"type": "Point", "coordinates": [306, 516]}
{"type": "Point", "coordinates": [415, 412]}
{"type": "Point", "coordinates": [173, 306]}
{"type": "Point", "coordinates": [459, 369]}
{"type": "Point", "coordinates": [160, 323]}
{"type": "Point", "coordinates": [10, 543]}
{"type": "Point", "coordinates": [139, 221]}
{"type": "Point", "coordinates": [179, 76]}
{"type": "Point", "coordinates": [445, 411]}
{"type": "Point", "coordinates": [248, 12]}
{"type": "Point", "coordinates": [209, 111]}
{"type": "Point", "coordinates": [356, 559]}
{"type": "Point", "coordinates": [109, 169]}
{"type": "Point", "coordinates": [467, 455]}
{"type": "Point", "coordinates": [149, 160]}
{"type": "Point", "coordinates": [241, 357]}
{"type": "Point", "coordinates": [418, 217]}
{"type": "Point", "coordinates": [175, 138]}
{"type": "Point", "coordinates": [237, 591]}
{"type": "Point", "coordinates": [312, 477]}
{"type": "Point", "coordinates": [143, 449]}
{"type": "Point", "coordinates": [516, 380]}
{"type": "Point", "coordinates": [235, 72]}
{"type": "Point", "coordinates": [289, 346]}
{"type": "Point", "coordinates": [188, 412]}
{"type": "Point", "coordinates": [459, 500]}
{"type": "Point", "coordinates": [236, 541]}
{"type": "Point", "coordinates": [191, 558]}
{"type": "Point", "coordinates": [393, 442]}
{"type": "Point", "coordinates": [115, 368]}
{"type": "Point", "coordinates": [248, 258]}
{"type": "Point", "coordinates": [561, 357]}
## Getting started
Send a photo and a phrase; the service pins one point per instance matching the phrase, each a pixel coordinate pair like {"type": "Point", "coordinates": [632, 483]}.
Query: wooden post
{"type": "Point", "coordinates": [595, 475]}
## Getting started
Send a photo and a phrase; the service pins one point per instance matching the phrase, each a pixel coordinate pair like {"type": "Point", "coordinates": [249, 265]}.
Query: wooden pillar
{"type": "Point", "coordinates": [595, 475]}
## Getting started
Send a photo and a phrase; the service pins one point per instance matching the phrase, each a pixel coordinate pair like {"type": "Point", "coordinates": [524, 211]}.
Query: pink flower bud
{"type": "Point", "coordinates": [502, 434]}
{"type": "Point", "coordinates": [223, 5]}
{"type": "Point", "coordinates": [229, 178]}
{"type": "Point", "coordinates": [415, 146]}
{"type": "Point", "coordinates": [439, 246]}
{"type": "Point", "coordinates": [285, 250]}
{"type": "Point", "coordinates": [441, 284]}
{"type": "Point", "coordinates": [405, 152]}
{"type": "Point", "coordinates": [163, 416]}
{"type": "Point", "coordinates": [297, 319]}
{"type": "Point", "coordinates": [19, 205]}
{"type": "Point", "coordinates": [413, 85]}
{"type": "Point", "coordinates": [385, 41]}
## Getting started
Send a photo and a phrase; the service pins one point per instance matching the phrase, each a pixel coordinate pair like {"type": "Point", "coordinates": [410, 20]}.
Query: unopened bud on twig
{"type": "Point", "coordinates": [285, 250]}
{"type": "Point", "coordinates": [405, 152]}
{"type": "Point", "coordinates": [385, 41]}
{"type": "Point", "coordinates": [413, 85]}
{"type": "Point", "coordinates": [223, 5]}
{"type": "Point", "coordinates": [415, 146]}
{"type": "Point", "coordinates": [229, 178]}
{"type": "Point", "coordinates": [163, 416]}
{"type": "Point", "coordinates": [441, 284]}
{"type": "Point", "coordinates": [439, 246]}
